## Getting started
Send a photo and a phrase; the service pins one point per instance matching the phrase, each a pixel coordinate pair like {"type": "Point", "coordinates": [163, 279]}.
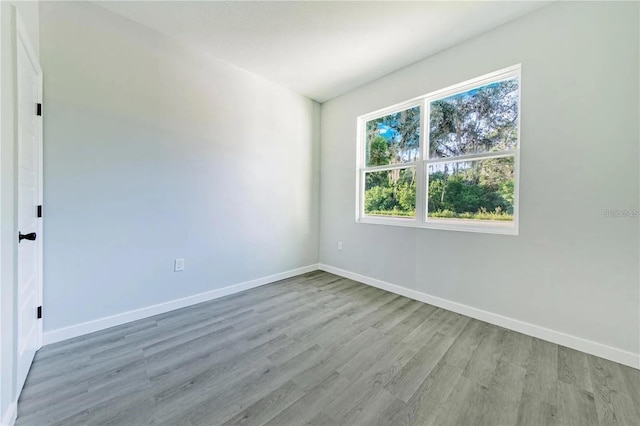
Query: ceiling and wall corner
{"type": "Point", "coordinates": [322, 49]}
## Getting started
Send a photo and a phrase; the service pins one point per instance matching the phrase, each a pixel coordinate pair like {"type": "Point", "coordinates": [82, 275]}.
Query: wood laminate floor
{"type": "Point", "coordinates": [318, 349]}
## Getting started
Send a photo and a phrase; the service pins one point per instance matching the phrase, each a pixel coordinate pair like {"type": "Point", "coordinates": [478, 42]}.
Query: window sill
{"type": "Point", "coordinates": [463, 225]}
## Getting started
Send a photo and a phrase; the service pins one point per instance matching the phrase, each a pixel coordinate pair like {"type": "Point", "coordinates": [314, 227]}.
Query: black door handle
{"type": "Point", "coordinates": [30, 237]}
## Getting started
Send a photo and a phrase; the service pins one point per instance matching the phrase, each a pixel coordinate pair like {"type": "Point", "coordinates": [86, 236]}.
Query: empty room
{"type": "Point", "coordinates": [320, 213]}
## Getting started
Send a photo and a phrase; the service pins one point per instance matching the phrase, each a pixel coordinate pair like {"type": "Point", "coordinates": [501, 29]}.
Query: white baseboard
{"type": "Point", "coordinates": [614, 354]}
{"type": "Point", "coordinates": [617, 355]}
{"type": "Point", "coordinates": [65, 333]}
{"type": "Point", "coordinates": [9, 417]}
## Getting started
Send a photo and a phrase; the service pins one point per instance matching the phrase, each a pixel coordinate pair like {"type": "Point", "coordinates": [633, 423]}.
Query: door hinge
{"type": "Point", "coordinates": [39, 312]}
{"type": "Point", "coordinates": [39, 211]}
{"type": "Point", "coordinates": [39, 109]}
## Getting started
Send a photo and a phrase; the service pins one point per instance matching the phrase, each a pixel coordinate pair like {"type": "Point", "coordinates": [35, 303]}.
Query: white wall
{"type": "Point", "coordinates": [571, 269]}
{"type": "Point", "coordinates": [28, 11]}
{"type": "Point", "coordinates": [154, 152]}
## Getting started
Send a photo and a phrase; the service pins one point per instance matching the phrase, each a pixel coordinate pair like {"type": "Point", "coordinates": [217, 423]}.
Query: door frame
{"type": "Point", "coordinates": [21, 38]}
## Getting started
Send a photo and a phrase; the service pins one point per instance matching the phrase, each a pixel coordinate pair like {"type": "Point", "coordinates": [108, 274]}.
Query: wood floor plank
{"type": "Point", "coordinates": [410, 323]}
{"type": "Point", "coordinates": [319, 349]}
{"type": "Point", "coordinates": [613, 400]}
{"type": "Point", "coordinates": [466, 344]}
{"type": "Point", "coordinates": [355, 367]}
{"type": "Point", "coordinates": [110, 405]}
{"type": "Point", "coordinates": [426, 402]}
{"type": "Point", "coordinates": [405, 383]}
{"type": "Point", "coordinates": [309, 378]}
{"type": "Point", "coordinates": [485, 359]}
{"type": "Point", "coordinates": [322, 419]}
{"type": "Point", "coordinates": [507, 380]}
{"type": "Point", "coordinates": [471, 403]}
{"type": "Point", "coordinates": [268, 407]}
{"type": "Point", "coordinates": [429, 327]}
{"type": "Point", "coordinates": [367, 378]}
{"type": "Point", "coordinates": [387, 322]}
{"type": "Point", "coordinates": [541, 379]}
{"type": "Point", "coordinates": [483, 398]}
{"type": "Point", "coordinates": [534, 412]}
{"type": "Point", "coordinates": [538, 403]}
{"type": "Point", "coordinates": [515, 348]}
{"type": "Point", "coordinates": [576, 406]}
{"type": "Point", "coordinates": [314, 400]}
{"type": "Point", "coordinates": [219, 407]}
{"type": "Point", "coordinates": [176, 386]}
{"type": "Point", "coordinates": [632, 379]}
{"type": "Point", "coordinates": [573, 369]}
{"type": "Point", "coordinates": [368, 410]}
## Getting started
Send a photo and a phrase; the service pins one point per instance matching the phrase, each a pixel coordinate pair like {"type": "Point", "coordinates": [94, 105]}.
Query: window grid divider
{"type": "Point", "coordinates": [473, 157]}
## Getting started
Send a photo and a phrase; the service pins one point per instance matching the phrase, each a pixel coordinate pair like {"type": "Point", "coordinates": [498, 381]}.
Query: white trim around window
{"type": "Point", "coordinates": [421, 162]}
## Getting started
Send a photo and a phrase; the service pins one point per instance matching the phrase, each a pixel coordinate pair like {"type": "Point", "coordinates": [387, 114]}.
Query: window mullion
{"type": "Point", "coordinates": [390, 167]}
{"type": "Point", "coordinates": [473, 157]}
{"type": "Point", "coordinates": [421, 190]}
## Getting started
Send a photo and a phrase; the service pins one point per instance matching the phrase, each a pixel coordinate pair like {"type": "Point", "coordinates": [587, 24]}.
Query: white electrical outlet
{"type": "Point", "coordinates": [178, 265]}
{"type": "Point", "coordinates": [339, 245]}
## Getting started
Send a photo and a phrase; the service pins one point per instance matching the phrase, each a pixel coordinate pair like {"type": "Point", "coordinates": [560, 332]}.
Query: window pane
{"type": "Point", "coordinates": [483, 119]}
{"type": "Point", "coordinates": [390, 193]}
{"type": "Point", "coordinates": [394, 138]}
{"type": "Point", "coordinates": [472, 190]}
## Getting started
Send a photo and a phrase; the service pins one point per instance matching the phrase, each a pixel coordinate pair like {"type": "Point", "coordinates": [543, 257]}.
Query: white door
{"type": "Point", "coordinates": [29, 186]}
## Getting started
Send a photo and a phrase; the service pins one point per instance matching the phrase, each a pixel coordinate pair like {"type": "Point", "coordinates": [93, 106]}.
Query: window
{"type": "Point", "coordinates": [446, 160]}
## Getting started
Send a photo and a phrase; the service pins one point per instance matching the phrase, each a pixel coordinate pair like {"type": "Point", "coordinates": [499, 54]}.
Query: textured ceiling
{"type": "Point", "coordinates": [316, 48]}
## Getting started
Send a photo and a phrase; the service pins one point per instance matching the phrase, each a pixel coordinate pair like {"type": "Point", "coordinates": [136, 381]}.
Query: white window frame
{"type": "Point", "coordinates": [421, 219]}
